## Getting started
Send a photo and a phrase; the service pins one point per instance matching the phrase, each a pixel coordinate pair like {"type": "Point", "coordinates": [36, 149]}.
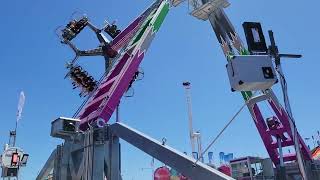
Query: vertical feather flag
{"type": "Point", "coordinates": [20, 105]}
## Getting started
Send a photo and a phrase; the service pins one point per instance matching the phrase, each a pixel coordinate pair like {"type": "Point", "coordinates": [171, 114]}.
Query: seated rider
{"type": "Point", "coordinates": [274, 124]}
{"type": "Point", "coordinates": [112, 30]}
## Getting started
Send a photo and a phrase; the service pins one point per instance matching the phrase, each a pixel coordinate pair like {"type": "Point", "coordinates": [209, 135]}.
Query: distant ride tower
{"type": "Point", "coordinates": [195, 137]}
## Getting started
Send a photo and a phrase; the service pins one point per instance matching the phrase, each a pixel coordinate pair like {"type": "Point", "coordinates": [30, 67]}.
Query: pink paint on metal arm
{"type": "Point", "coordinates": [267, 134]}
{"type": "Point", "coordinates": [263, 131]}
{"type": "Point", "coordinates": [111, 98]}
{"type": "Point", "coordinates": [106, 98]}
{"type": "Point", "coordinates": [121, 40]}
{"type": "Point", "coordinates": [104, 89]}
{"type": "Point", "coordinates": [284, 118]}
{"type": "Point", "coordinates": [126, 35]}
{"type": "Point", "coordinates": [121, 88]}
{"type": "Point", "coordinates": [94, 107]}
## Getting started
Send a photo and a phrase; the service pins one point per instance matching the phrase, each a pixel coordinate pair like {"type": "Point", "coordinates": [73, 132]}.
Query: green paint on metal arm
{"type": "Point", "coordinates": [142, 30]}
{"type": "Point", "coordinates": [244, 51]}
{"type": "Point", "coordinates": [155, 19]}
{"type": "Point", "coordinates": [245, 94]}
{"type": "Point", "coordinates": [143, 27]}
{"type": "Point", "coordinates": [160, 16]}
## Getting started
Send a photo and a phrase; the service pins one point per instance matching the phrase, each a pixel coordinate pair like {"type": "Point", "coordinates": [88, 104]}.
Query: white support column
{"type": "Point", "coordinates": [187, 87]}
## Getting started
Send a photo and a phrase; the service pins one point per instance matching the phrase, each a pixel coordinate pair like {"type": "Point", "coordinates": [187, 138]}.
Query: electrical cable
{"type": "Point", "coordinates": [286, 97]}
{"type": "Point", "coordinates": [224, 128]}
{"type": "Point", "coordinates": [290, 116]}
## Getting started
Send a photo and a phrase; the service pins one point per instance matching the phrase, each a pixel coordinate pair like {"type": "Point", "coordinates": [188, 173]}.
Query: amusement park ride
{"type": "Point", "coordinates": [91, 148]}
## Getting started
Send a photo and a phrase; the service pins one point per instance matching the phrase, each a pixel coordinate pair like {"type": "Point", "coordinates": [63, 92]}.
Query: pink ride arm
{"type": "Point", "coordinates": [106, 98]}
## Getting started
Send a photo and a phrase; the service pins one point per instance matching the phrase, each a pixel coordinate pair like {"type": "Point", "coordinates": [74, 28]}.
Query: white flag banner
{"type": "Point", "coordinates": [20, 105]}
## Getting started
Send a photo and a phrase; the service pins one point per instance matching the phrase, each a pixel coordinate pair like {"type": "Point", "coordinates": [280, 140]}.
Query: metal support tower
{"type": "Point", "coordinates": [195, 137]}
{"type": "Point", "coordinates": [187, 86]}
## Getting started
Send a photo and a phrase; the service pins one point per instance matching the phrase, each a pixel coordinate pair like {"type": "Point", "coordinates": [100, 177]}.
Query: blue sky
{"type": "Point", "coordinates": [32, 59]}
